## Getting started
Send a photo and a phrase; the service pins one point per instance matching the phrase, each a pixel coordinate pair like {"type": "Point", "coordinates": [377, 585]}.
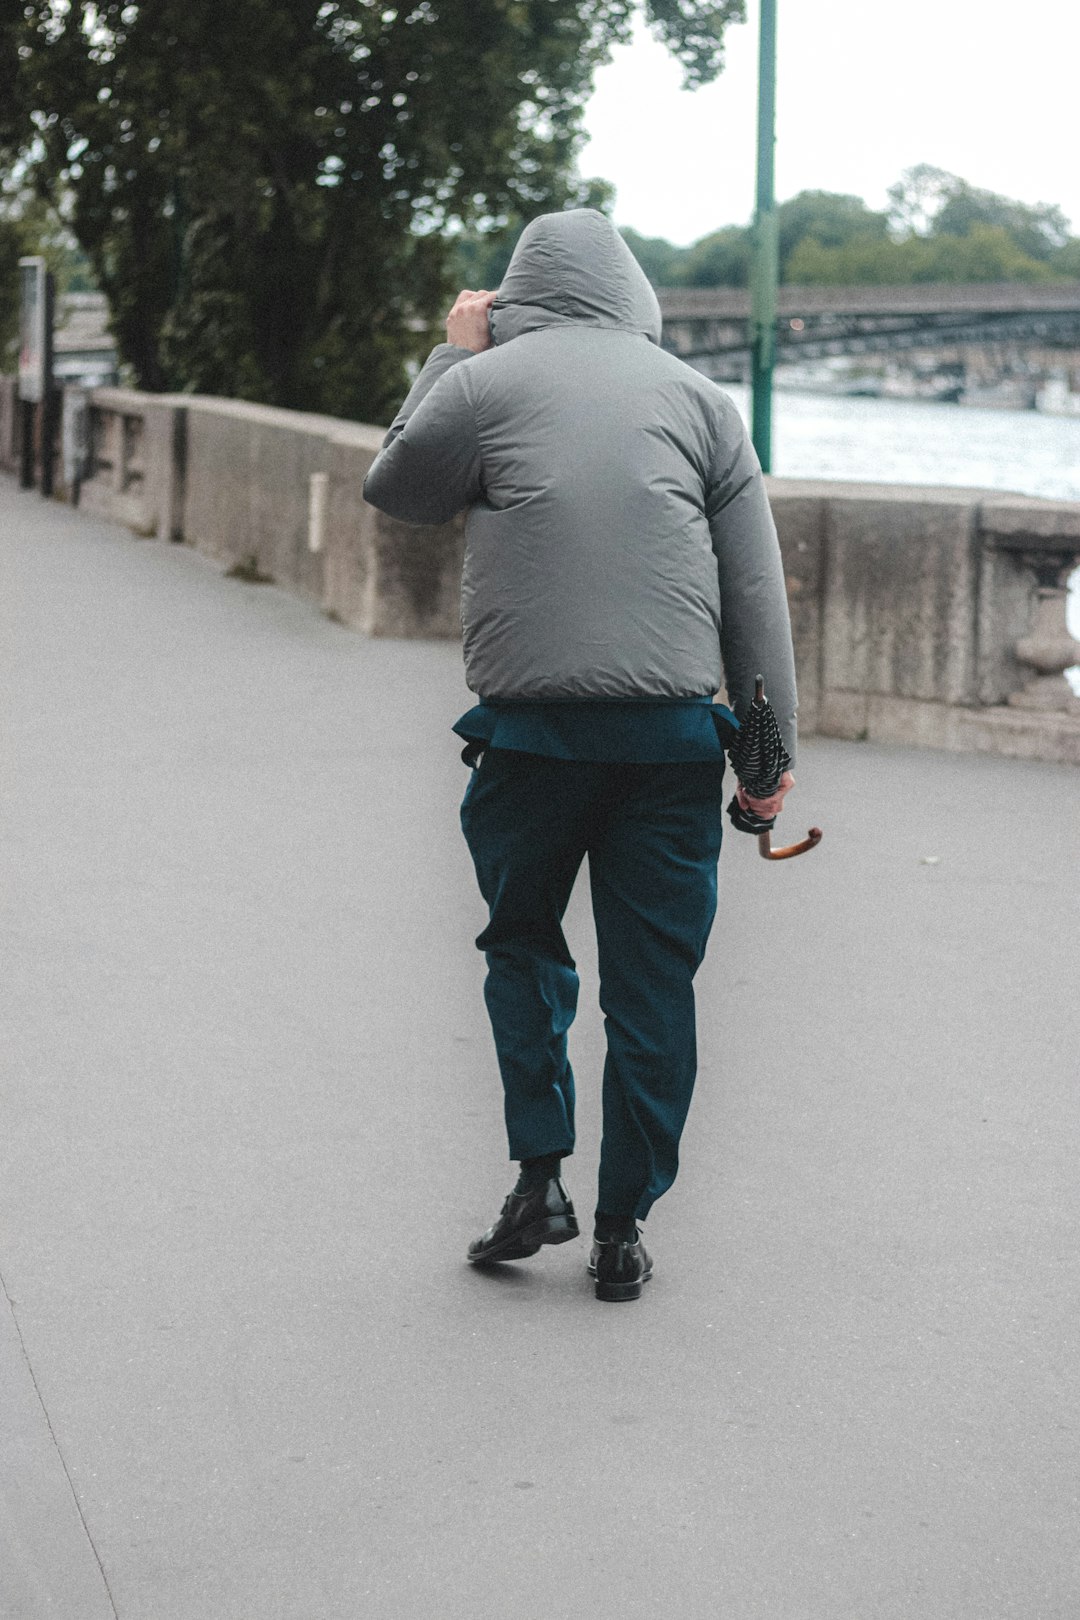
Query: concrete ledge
{"type": "Point", "coordinates": [1052, 736]}
{"type": "Point", "coordinates": [900, 596]}
{"type": "Point", "coordinates": [800, 514]}
{"type": "Point", "coordinates": [9, 431]}
{"type": "Point", "coordinates": [1027, 519]}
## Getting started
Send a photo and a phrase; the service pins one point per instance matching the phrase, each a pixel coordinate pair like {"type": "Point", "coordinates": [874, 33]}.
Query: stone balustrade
{"type": "Point", "coordinates": [932, 616]}
{"type": "Point", "coordinates": [9, 425]}
{"type": "Point", "coordinates": [925, 616]}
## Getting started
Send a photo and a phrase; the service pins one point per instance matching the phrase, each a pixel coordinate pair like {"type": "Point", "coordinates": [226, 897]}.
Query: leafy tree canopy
{"type": "Point", "coordinates": [656, 256]}
{"type": "Point", "coordinates": [927, 201]}
{"type": "Point", "coordinates": [831, 218]}
{"type": "Point", "coordinates": [942, 228]}
{"type": "Point", "coordinates": [1065, 260]}
{"type": "Point", "coordinates": [722, 258]}
{"type": "Point", "coordinates": [268, 193]}
{"type": "Point", "coordinates": [29, 224]}
{"type": "Point", "coordinates": [11, 248]}
{"type": "Point", "coordinates": [984, 253]}
{"type": "Point", "coordinates": [480, 257]}
{"type": "Point", "coordinates": [937, 227]}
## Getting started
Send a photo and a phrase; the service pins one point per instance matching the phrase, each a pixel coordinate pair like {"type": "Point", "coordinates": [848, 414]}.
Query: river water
{"type": "Point", "coordinates": [901, 441]}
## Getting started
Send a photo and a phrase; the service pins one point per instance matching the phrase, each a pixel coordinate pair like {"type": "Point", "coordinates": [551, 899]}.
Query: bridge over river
{"type": "Point", "coordinates": [251, 1118]}
{"type": "Point", "coordinates": [705, 322]}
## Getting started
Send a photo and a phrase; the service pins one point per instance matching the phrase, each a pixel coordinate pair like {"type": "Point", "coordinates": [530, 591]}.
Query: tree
{"type": "Point", "coordinates": [11, 248]}
{"type": "Point", "coordinates": [938, 228]}
{"type": "Point", "coordinates": [982, 253]}
{"type": "Point", "coordinates": [268, 193]}
{"type": "Point", "coordinates": [658, 258]}
{"type": "Point", "coordinates": [927, 201]}
{"type": "Point", "coordinates": [832, 218]}
{"type": "Point", "coordinates": [30, 224]}
{"type": "Point", "coordinates": [1037, 229]}
{"type": "Point", "coordinates": [986, 253]}
{"type": "Point", "coordinates": [1065, 260]}
{"type": "Point", "coordinates": [721, 259]}
{"type": "Point", "coordinates": [480, 257]}
{"type": "Point", "coordinates": [916, 199]}
{"type": "Point", "coordinates": [867, 261]}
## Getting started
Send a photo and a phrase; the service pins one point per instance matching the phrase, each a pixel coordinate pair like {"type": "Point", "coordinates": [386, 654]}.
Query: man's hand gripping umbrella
{"type": "Point", "coordinates": [760, 761]}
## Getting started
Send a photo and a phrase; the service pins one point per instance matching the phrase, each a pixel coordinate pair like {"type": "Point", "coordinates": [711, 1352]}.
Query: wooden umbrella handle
{"type": "Point", "coordinates": [766, 851]}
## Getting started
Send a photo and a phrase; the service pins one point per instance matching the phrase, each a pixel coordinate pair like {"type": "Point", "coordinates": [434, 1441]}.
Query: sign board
{"type": "Point", "coordinates": [34, 333]}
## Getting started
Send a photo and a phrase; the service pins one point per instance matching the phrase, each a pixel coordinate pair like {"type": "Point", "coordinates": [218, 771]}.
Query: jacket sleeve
{"type": "Point", "coordinates": [429, 464]}
{"type": "Point", "coordinates": [755, 626]}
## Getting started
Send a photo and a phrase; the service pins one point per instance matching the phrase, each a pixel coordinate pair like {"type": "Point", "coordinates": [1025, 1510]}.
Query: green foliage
{"type": "Point", "coordinates": [927, 201]}
{"type": "Point", "coordinates": [916, 198]}
{"type": "Point", "coordinates": [1065, 260]}
{"type": "Point", "coordinates": [832, 218]}
{"type": "Point", "coordinates": [269, 194]}
{"type": "Point", "coordinates": [938, 228]}
{"type": "Point", "coordinates": [41, 228]}
{"type": "Point", "coordinates": [1036, 230]}
{"type": "Point", "coordinates": [31, 225]}
{"type": "Point", "coordinates": [721, 259]}
{"type": "Point", "coordinates": [985, 253]}
{"type": "Point", "coordinates": [656, 257]}
{"type": "Point", "coordinates": [11, 248]}
{"type": "Point", "coordinates": [695, 34]}
{"type": "Point", "coordinates": [480, 257]}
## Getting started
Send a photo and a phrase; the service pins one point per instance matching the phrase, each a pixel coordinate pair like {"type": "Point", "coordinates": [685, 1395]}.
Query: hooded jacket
{"type": "Point", "coordinates": [618, 541]}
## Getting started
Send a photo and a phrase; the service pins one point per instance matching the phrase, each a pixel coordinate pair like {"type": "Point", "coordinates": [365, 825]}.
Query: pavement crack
{"type": "Point", "coordinates": [56, 1445]}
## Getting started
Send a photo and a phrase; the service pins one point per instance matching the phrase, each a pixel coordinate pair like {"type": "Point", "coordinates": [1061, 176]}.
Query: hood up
{"type": "Point", "coordinates": [573, 269]}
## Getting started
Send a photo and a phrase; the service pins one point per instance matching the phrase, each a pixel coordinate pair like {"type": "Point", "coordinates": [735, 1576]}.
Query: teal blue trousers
{"type": "Point", "coordinates": [652, 835]}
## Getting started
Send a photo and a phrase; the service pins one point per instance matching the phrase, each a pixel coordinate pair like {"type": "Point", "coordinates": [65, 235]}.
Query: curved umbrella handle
{"type": "Point", "coordinates": [766, 851]}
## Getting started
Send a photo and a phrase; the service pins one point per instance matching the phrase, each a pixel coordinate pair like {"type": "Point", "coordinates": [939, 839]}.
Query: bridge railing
{"type": "Point", "coordinates": [927, 616]}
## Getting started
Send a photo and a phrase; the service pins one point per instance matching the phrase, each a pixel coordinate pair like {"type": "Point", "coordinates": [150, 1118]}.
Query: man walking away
{"type": "Point", "coordinates": [621, 563]}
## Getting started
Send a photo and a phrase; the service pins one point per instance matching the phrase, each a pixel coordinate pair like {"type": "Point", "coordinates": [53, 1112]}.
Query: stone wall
{"type": "Point", "coordinates": [9, 425]}
{"type": "Point", "coordinates": [920, 616]}
{"type": "Point", "coordinates": [242, 483]}
{"type": "Point", "coordinates": [913, 611]}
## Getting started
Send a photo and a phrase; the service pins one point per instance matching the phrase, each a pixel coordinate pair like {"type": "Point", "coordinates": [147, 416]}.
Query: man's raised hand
{"type": "Point", "coordinates": [467, 323]}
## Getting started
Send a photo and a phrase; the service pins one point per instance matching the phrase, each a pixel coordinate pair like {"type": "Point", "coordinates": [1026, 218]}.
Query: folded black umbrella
{"type": "Point", "coordinates": [759, 759]}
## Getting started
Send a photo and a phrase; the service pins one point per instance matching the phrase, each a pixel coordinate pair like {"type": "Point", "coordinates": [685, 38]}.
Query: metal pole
{"type": "Point", "coordinates": [27, 453]}
{"type": "Point", "coordinates": [764, 264]}
{"type": "Point", "coordinates": [49, 399]}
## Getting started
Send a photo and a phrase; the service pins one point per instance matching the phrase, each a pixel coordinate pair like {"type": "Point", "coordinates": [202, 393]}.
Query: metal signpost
{"type": "Point", "coordinates": [765, 261]}
{"type": "Point", "coordinates": [36, 393]}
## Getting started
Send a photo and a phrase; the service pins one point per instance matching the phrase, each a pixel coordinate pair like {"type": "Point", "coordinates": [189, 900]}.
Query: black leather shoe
{"type": "Point", "coordinates": [620, 1269]}
{"type": "Point", "coordinates": [544, 1214]}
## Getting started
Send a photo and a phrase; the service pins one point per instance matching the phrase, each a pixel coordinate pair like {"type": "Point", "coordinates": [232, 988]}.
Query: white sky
{"type": "Point", "coordinates": [865, 89]}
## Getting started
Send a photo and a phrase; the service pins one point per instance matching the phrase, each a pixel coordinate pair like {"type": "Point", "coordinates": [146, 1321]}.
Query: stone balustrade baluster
{"type": "Point", "coordinates": [1048, 649]}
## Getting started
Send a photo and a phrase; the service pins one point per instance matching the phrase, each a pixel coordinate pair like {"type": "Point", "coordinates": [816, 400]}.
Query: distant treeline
{"type": "Point", "coordinates": [937, 227]}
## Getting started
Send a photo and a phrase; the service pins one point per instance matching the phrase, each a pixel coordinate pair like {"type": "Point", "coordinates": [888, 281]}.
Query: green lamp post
{"type": "Point", "coordinates": [765, 259]}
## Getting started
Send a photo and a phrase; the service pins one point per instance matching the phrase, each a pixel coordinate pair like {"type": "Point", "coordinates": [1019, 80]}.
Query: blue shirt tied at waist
{"type": "Point", "coordinates": [613, 730]}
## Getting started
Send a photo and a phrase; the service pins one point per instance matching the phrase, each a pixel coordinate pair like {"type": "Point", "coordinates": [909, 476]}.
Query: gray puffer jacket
{"type": "Point", "coordinates": [619, 542]}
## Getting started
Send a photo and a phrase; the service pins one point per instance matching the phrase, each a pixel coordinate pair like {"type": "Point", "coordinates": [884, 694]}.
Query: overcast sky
{"type": "Point", "coordinates": [988, 90]}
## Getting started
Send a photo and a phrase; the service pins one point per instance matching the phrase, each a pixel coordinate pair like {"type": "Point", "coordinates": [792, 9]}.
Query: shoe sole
{"type": "Point", "coordinates": [615, 1293]}
{"type": "Point", "coordinates": [520, 1245]}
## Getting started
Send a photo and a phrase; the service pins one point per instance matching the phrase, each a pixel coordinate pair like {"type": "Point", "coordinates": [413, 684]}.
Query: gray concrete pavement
{"type": "Point", "coordinates": [251, 1117]}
